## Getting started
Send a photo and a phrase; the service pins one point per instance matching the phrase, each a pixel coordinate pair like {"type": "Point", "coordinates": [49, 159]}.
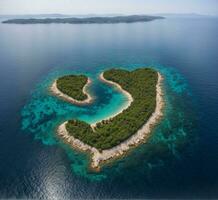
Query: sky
{"type": "Point", "coordinates": [108, 6]}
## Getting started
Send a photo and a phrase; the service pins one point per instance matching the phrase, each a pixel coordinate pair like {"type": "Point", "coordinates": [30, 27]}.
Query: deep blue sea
{"type": "Point", "coordinates": [180, 159]}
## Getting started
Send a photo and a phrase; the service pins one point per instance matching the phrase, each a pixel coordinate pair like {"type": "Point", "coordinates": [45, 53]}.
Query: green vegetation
{"type": "Point", "coordinates": [141, 84]}
{"type": "Point", "coordinates": [72, 86]}
{"type": "Point", "coordinates": [87, 20]}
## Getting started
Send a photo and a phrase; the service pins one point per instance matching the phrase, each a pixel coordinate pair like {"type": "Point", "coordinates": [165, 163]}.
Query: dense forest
{"type": "Point", "coordinates": [72, 85]}
{"type": "Point", "coordinates": [87, 20]}
{"type": "Point", "coordinates": [141, 84]}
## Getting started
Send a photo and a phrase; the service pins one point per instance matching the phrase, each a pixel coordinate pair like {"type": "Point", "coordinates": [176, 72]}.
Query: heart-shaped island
{"type": "Point", "coordinates": [112, 137]}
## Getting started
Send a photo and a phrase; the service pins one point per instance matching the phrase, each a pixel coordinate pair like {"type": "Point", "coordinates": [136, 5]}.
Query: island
{"type": "Point", "coordinates": [112, 137]}
{"type": "Point", "coordinates": [86, 20]}
{"type": "Point", "coordinates": [73, 88]}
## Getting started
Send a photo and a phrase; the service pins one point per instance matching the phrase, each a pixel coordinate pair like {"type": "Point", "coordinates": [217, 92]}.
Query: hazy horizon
{"type": "Point", "coordinates": [106, 14]}
{"type": "Point", "coordinates": [99, 7]}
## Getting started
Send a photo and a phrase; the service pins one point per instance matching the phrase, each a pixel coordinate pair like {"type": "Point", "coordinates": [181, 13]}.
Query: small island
{"type": "Point", "coordinates": [73, 88]}
{"type": "Point", "coordinates": [86, 20]}
{"type": "Point", "coordinates": [112, 137]}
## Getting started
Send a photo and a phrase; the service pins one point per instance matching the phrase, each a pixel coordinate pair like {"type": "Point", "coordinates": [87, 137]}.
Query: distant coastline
{"type": "Point", "coordinates": [86, 20]}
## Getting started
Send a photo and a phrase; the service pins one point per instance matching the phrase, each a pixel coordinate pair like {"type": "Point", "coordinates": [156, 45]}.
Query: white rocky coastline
{"type": "Point", "coordinates": [60, 94]}
{"type": "Point", "coordinates": [99, 157]}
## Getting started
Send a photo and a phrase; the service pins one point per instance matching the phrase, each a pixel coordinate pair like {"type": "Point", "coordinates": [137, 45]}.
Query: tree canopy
{"type": "Point", "coordinates": [141, 84]}
{"type": "Point", "coordinates": [72, 85]}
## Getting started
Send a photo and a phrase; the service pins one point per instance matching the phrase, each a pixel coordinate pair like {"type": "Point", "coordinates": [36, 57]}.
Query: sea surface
{"type": "Point", "coordinates": [180, 159]}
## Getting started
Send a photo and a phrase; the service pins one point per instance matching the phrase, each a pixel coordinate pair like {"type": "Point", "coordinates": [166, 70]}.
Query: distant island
{"type": "Point", "coordinates": [86, 20]}
{"type": "Point", "coordinates": [112, 137]}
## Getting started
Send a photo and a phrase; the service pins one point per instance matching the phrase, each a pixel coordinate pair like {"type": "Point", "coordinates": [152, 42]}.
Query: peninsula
{"type": "Point", "coordinates": [86, 20]}
{"type": "Point", "coordinates": [73, 88]}
{"type": "Point", "coordinates": [112, 137]}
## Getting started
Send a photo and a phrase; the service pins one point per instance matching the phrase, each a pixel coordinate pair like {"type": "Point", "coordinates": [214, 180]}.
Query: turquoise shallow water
{"type": "Point", "coordinates": [44, 112]}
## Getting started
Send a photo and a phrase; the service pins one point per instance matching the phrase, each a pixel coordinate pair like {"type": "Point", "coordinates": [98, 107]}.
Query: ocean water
{"type": "Point", "coordinates": [179, 160]}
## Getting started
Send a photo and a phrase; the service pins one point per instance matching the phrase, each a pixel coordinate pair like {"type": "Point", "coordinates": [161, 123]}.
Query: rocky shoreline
{"type": "Point", "coordinates": [97, 157]}
{"type": "Point", "coordinates": [60, 94]}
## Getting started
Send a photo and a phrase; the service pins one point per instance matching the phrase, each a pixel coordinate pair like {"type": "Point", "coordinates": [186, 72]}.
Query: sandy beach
{"type": "Point", "coordinates": [58, 93]}
{"type": "Point", "coordinates": [140, 136]}
{"type": "Point", "coordinates": [125, 106]}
